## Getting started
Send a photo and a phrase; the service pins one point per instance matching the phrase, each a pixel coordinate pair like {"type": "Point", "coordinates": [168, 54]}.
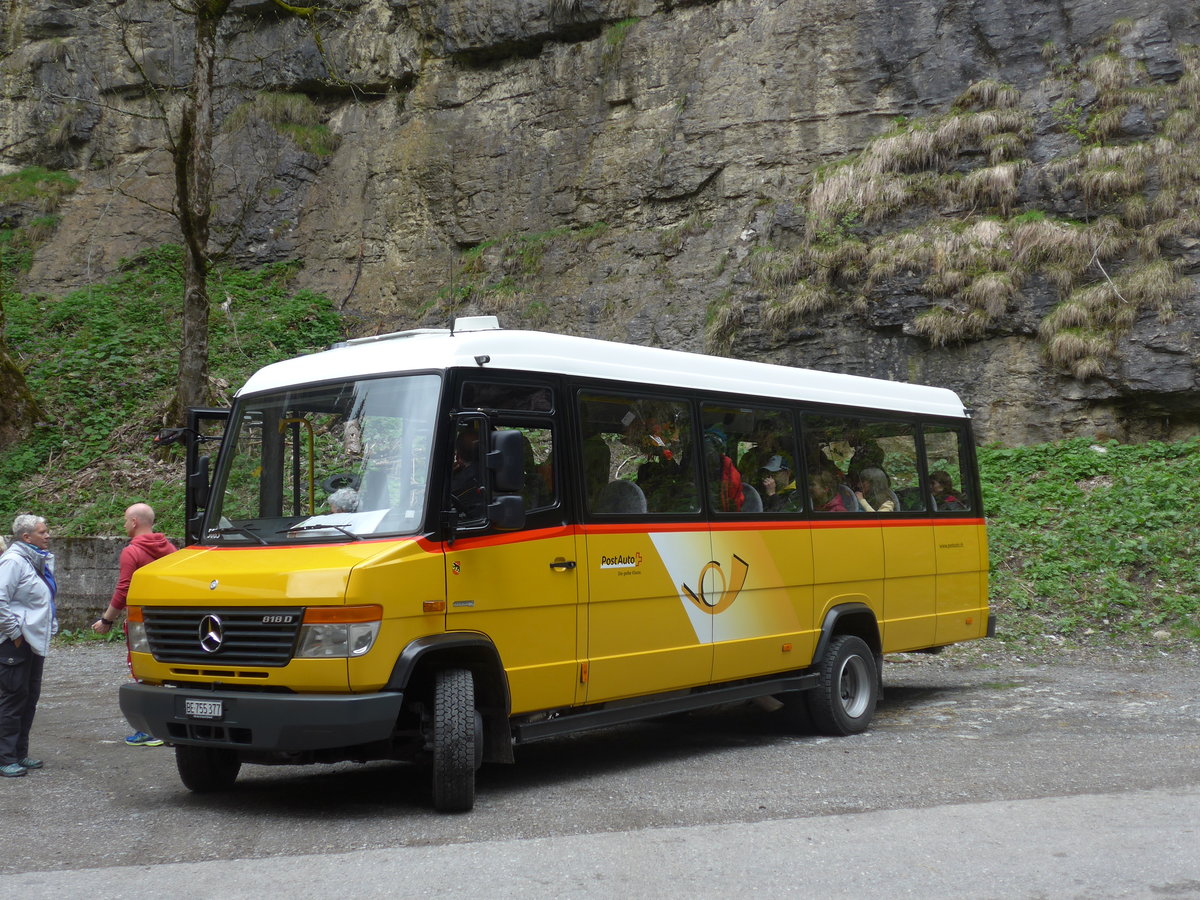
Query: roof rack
{"type": "Point", "coordinates": [463, 324]}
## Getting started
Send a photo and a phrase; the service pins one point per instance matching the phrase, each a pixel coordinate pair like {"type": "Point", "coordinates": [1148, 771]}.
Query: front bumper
{"type": "Point", "coordinates": [266, 722]}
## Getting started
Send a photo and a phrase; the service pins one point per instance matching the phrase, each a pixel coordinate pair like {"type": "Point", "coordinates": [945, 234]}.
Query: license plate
{"type": "Point", "coordinates": [203, 709]}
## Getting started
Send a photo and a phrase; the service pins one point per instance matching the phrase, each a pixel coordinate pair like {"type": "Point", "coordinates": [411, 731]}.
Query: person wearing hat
{"type": "Point", "coordinates": [778, 484]}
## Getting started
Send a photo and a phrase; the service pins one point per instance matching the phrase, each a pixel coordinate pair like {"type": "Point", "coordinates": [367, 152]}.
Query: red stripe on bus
{"type": "Point", "coordinates": [498, 540]}
{"type": "Point", "coordinates": [523, 537]}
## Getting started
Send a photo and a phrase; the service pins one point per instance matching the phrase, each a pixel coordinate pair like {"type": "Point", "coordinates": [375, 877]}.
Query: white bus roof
{"type": "Point", "coordinates": [474, 341]}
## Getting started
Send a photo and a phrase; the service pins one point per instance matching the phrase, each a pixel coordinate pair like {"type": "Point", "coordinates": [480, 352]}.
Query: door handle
{"type": "Point", "coordinates": [562, 565]}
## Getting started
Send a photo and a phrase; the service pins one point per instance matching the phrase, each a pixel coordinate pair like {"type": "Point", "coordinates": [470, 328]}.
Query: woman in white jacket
{"type": "Point", "coordinates": [27, 622]}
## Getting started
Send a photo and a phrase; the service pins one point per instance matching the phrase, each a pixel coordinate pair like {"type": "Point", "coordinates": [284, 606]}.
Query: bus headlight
{"type": "Point", "coordinates": [338, 631]}
{"type": "Point", "coordinates": [135, 630]}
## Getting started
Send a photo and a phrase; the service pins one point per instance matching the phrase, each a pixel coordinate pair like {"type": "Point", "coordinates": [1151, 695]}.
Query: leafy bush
{"type": "Point", "coordinates": [103, 360]}
{"type": "Point", "coordinates": [1093, 538]}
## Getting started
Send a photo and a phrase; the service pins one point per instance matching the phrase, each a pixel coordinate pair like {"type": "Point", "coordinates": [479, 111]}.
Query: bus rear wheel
{"type": "Point", "coordinates": [844, 700]}
{"type": "Point", "coordinates": [456, 740]}
{"type": "Point", "coordinates": [205, 770]}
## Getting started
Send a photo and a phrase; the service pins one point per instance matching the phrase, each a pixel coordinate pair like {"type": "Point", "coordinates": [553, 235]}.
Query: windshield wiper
{"type": "Point", "coordinates": [236, 529]}
{"type": "Point", "coordinates": [344, 529]}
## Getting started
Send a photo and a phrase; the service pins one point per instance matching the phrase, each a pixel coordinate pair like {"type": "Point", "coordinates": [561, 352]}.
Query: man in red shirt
{"type": "Point", "coordinates": [145, 545]}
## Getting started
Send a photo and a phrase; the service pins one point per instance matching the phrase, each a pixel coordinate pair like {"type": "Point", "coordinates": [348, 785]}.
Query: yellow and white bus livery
{"type": "Point", "coordinates": [440, 544]}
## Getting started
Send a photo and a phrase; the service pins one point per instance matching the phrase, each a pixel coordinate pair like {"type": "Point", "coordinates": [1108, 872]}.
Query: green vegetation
{"type": "Point", "coordinates": [39, 187]}
{"type": "Point", "coordinates": [294, 115]}
{"type": "Point", "coordinates": [85, 635]}
{"type": "Point", "coordinates": [614, 34]}
{"type": "Point", "coordinates": [36, 183]}
{"type": "Point", "coordinates": [102, 363]}
{"type": "Point", "coordinates": [1094, 541]}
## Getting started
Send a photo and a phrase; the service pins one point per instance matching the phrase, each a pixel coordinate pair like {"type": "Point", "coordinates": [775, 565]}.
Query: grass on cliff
{"type": "Point", "coordinates": [937, 208]}
{"type": "Point", "coordinates": [102, 363]}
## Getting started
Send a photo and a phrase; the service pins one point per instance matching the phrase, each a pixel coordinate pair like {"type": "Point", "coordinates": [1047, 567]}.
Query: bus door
{"type": "Point", "coordinates": [647, 545]}
{"type": "Point", "coordinates": [520, 588]}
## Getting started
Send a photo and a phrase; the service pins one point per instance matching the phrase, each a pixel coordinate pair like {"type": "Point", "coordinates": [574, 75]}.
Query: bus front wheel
{"type": "Point", "coordinates": [456, 740]}
{"type": "Point", "coordinates": [204, 770]}
{"type": "Point", "coordinates": [844, 700]}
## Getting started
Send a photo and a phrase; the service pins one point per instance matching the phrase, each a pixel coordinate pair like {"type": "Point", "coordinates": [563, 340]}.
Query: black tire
{"type": "Point", "coordinates": [844, 701]}
{"type": "Point", "coordinates": [205, 770]}
{"type": "Point", "coordinates": [455, 739]}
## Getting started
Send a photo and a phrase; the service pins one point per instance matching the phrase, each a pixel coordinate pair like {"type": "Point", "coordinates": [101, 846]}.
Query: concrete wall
{"type": "Point", "coordinates": [86, 571]}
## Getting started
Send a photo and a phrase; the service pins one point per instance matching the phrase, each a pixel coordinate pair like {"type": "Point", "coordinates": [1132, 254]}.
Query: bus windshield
{"type": "Point", "coordinates": [331, 463]}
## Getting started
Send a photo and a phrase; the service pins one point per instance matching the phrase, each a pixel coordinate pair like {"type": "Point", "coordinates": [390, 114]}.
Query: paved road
{"type": "Point", "coordinates": [1134, 844]}
{"type": "Point", "coordinates": [985, 775]}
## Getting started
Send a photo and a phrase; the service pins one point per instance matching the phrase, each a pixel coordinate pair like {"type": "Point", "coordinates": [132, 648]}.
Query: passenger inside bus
{"type": "Point", "coordinates": [343, 500]}
{"type": "Point", "coordinates": [778, 486]}
{"type": "Point", "coordinates": [725, 481]}
{"type": "Point", "coordinates": [823, 488]}
{"type": "Point", "coordinates": [874, 494]}
{"type": "Point", "coordinates": [661, 476]}
{"type": "Point", "coordinates": [768, 440]}
{"type": "Point", "coordinates": [944, 494]}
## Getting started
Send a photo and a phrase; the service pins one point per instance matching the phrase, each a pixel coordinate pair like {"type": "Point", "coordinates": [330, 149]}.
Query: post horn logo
{"type": "Point", "coordinates": [722, 597]}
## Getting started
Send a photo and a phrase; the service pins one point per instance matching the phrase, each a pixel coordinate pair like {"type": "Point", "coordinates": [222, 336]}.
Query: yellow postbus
{"type": "Point", "coordinates": [438, 545]}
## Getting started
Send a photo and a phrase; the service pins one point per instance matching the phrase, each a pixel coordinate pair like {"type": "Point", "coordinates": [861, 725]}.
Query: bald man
{"type": "Point", "coordinates": [145, 545]}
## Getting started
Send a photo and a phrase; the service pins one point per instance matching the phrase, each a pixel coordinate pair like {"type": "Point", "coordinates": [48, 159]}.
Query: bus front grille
{"type": "Point", "coordinates": [223, 637]}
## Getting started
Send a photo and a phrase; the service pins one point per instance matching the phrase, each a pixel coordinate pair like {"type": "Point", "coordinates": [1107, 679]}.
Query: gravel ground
{"type": "Point", "coordinates": [980, 722]}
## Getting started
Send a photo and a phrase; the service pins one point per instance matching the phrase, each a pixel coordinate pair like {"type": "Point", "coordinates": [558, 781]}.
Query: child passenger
{"type": "Point", "coordinates": [822, 487]}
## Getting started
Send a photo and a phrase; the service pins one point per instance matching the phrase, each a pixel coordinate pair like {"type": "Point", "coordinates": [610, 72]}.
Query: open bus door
{"type": "Point", "coordinates": [204, 426]}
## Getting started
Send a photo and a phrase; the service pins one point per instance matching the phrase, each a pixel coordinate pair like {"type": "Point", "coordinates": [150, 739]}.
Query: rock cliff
{"type": "Point", "coordinates": [989, 195]}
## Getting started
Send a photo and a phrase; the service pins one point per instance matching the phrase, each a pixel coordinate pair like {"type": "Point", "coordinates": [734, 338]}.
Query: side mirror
{"type": "Point", "coordinates": [506, 460]}
{"type": "Point", "coordinates": [168, 436]}
{"type": "Point", "coordinates": [507, 512]}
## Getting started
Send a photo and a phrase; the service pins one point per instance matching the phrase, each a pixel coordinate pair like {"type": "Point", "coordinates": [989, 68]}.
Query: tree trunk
{"type": "Point", "coordinates": [193, 185]}
{"type": "Point", "coordinates": [19, 411]}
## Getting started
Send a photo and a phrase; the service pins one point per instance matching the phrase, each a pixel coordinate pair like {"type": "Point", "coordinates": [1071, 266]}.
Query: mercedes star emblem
{"type": "Point", "coordinates": [212, 634]}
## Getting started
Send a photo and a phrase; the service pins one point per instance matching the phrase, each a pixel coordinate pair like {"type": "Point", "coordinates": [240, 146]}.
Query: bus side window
{"type": "Point", "coordinates": [862, 465]}
{"type": "Point", "coordinates": [945, 466]}
{"type": "Point", "coordinates": [466, 472]}
{"type": "Point", "coordinates": [830, 449]}
{"type": "Point", "coordinates": [538, 491]}
{"type": "Point", "coordinates": [725, 489]}
{"type": "Point", "coordinates": [637, 455]}
{"type": "Point", "coordinates": [758, 446]}
{"type": "Point", "coordinates": [597, 464]}
{"type": "Point", "coordinates": [885, 465]}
